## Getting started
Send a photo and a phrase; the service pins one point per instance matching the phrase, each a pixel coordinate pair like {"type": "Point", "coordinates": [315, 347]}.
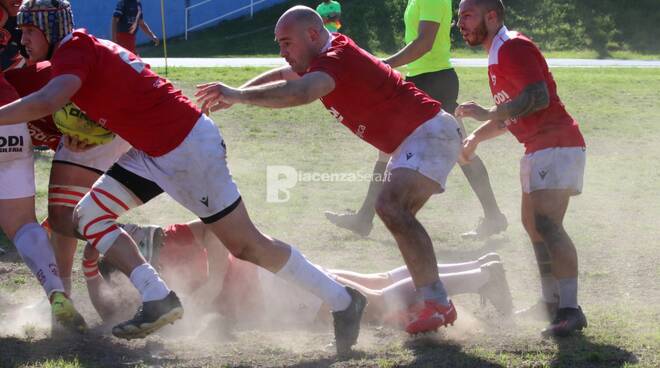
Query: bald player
{"type": "Point", "coordinates": [552, 169]}
{"type": "Point", "coordinates": [187, 160]}
{"type": "Point", "coordinates": [380, 107]}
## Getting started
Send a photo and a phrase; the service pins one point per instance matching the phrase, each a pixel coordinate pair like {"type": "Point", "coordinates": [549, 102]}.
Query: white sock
{"type": "Point", "coordinates": [457, 267]}
{"type": "Point", "coordinates": [403, 294]}
{"type": "Point", "coordinates": [149, 284]}
{"type": "Point", "coordinates": [568, 289]}
{"type": "Point", "coordinates": [465, 282]}
{"type": "Point", "coordinates": [549, 289]}
{"type": "Point", "coordinates": [32, 244]}
{"type": "Point", "coordinates": [398, 274]}
{"type": "Point", "coordinates": [299, 271]}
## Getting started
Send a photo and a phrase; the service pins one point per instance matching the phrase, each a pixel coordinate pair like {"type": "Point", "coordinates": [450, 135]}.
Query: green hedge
{"type": "Point", "coordinates": [601, 25]}
{"type": "Point", "coordinates": [377, 25]}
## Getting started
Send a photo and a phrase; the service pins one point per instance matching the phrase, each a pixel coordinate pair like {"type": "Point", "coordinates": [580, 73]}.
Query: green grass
{"type": "Point", "coordinates": [613, 223]}
{"type": "Point", "coordinates": [57, 363]}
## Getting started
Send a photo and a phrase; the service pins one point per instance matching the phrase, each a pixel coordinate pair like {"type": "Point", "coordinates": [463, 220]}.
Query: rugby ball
{"type": "Point", "coordinates": [73, 122]}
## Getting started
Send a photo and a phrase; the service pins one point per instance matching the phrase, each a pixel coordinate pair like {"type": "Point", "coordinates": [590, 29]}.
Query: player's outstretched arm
{"type": "Point", "coordinates": [209, 90]}
{"type": "Point", "coordinates": [274, 75]}
{"type": "Point", "coordinates": [278, 94]}
{"type": "Point", "coordinates": [42, 103]}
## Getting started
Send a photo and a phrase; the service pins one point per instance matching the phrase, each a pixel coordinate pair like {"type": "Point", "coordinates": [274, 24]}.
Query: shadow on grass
{"type": "Point", "coordinates": [435, 353]}
{"type": "Point", "coordinates": [581, 351]}
{"type": "Point", "coordinates": [88, 350]}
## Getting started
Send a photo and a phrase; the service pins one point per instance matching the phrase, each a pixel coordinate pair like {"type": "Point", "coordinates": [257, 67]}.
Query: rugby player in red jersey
{"type": "Point", "coordinates": [17, 192]}
{"type": "Point", "coordinates": [376, 104]}
{"type": "Point", "coordinates": [75, 167]}
{"type": "Point", "coordinates": [175, 149]}
{"type": "Point", "coordinates": [552, 169]}
{"type": "Point", "coordinates": [217, 283]}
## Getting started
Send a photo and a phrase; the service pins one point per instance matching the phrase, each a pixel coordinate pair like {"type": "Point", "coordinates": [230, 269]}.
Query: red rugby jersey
{"type": "Point", "coordinates": [515, 62]}
{"type": "Point", "coordinates": [28, 80]}
{"type": "Point", "coordinates": [122, 93]}
{"type": "Point", "coordinates": [370, 98]}
{"type": "Point", "coordinates": [7, 92]}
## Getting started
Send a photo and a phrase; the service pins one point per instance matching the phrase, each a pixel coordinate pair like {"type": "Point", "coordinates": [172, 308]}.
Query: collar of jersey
{"type": "Point", "coordinates": [498, 40]}
{"type": "Point", "coordinates": [329, 43]}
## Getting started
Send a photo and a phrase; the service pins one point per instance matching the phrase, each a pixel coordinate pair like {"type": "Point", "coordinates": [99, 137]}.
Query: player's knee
{"type": "Point", "coordinates": [95, 216]}
{"type": "Point", "coordinates": [243, 251]}
{"type": "Point", "coordinates": [60, 219]}
{"type": "Point", "coordinates": [95, 224]}
{"type": "Point", "coordinates": [245, 248]}
{"type": "Point", "coordinates": [390, 210]}
{"type": "Point", "coordinates": [61, 201]}
{"type": "Point", "coordinates": [384, 207]}
{"type": "Point", "coordinates": [545, 226]}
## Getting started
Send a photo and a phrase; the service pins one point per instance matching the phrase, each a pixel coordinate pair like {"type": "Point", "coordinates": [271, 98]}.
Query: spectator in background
{"type": "Point", "coordinates": [125, 21]}
{"type": "Point", "coordinates": [330, 11]}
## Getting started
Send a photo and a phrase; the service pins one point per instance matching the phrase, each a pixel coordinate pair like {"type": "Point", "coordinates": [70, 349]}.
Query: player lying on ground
{"type": "Point", "coordinates": [376, 104]}
{"type": "Point", "coordinates": [192, 258]}
{"type": "Point", "coordinates": [552, 169]}
{"type": "Point", "coordinates": [186, 159]}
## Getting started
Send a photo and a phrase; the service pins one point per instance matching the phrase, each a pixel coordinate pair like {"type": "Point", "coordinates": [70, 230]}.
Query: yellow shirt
{"type": "Point", "coordinates": [437, 11]}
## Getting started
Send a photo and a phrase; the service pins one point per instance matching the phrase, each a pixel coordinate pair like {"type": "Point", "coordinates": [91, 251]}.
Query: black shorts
{"type": "Point", "coordinates": [441, 85]}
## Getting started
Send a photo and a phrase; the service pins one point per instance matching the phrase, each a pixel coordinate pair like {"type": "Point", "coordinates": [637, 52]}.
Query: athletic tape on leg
{"type": "Point", "coordinates": [99, 209]}
{"type": "Point", "coordinates": [65, 195]}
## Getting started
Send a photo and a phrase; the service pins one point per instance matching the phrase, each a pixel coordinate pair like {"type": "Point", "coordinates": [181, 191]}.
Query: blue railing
{"type": "Point", "coordinates": [181, 16]}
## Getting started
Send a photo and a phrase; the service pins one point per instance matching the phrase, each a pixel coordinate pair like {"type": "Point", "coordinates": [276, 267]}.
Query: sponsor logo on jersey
{"type": "Point", "coordinates": [336, 114]}
{"type": "Point", "coordinates": [12, 143]}
{"type": "Point", "coordinates": [501, 97]}
{"type": "Point", "coordinates": [39, 137]}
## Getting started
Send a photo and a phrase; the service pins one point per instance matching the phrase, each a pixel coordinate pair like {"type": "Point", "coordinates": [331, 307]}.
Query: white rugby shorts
{"type": "Point", "coordinates": [195, 174]}
{"type": "Point", "coordinates": [16, 162]}
{"type": "Point", "coordinates": [432, 149]}
{"type": "Point", "coordinates": [553, 168]}
{"type": "Point", "coordinates": [98, 158]}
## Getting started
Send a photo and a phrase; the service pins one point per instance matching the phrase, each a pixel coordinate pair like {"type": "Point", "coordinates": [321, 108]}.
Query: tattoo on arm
{"type": "Point", "coordinates": [533, 98]}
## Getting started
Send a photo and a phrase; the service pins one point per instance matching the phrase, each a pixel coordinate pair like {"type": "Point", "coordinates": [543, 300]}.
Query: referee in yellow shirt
{"type": "Point", "coordinates": [426, 54]}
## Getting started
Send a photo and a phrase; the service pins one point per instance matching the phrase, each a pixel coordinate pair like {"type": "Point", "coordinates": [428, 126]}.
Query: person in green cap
{"type": "Point", "coordinates": [330, 11]}
{"type": "Point", "coordinates": [426, 54]}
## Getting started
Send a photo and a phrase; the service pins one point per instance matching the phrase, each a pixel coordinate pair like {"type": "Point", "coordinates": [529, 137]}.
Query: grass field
{"type": "Point", "coordinates": [614, 223]}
